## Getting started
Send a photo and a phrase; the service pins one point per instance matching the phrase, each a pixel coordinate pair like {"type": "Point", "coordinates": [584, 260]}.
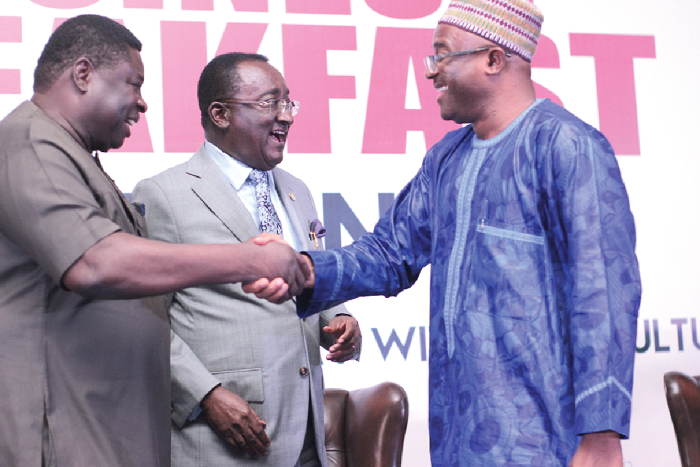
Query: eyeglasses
{"type": "Point", "coordinates": [279, 105]}
{"type": "Point", "coordinates": [431, 61]}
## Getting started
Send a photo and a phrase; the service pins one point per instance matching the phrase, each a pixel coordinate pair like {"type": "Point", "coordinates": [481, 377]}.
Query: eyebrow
{"type": "Point", "coordinates": [274, 92]}
{"type": "Point", "coordinates": [439, 45]}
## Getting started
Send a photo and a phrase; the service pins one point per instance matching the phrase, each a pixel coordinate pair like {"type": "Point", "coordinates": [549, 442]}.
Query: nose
{"type": "Point", "coordinates": [286, 116]}
{"type": "Point", "coordinates": [141, 103]}
{"type": "Point", "coordinates": [430, 64]}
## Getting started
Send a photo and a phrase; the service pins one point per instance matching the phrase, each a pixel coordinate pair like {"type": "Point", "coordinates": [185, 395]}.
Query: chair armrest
{"type": "Point", "coordinates": [683, 398]}
{"type": "Point", "coordinates": [376, 420]}
{"type": "Point", "coordinates": [334, 403]}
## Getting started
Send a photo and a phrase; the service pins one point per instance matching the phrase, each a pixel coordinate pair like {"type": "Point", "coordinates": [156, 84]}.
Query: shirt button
{"type": "Point", "coordinates": [303, 371]}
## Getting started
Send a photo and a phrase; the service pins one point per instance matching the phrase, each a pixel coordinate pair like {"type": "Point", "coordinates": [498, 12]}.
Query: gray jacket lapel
{"type": "Point", "coordinates": [211, 186]}
{"type": "Point", "coordinates": [299, 208]}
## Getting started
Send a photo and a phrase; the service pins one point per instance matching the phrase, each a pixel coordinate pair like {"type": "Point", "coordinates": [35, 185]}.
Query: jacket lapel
{"type": "Point", "coordinates": [298, 209]}
{"type": "Point", "coordinates": [211, 186]}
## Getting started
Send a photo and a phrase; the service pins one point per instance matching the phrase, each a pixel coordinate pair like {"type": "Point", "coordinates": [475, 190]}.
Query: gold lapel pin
{"type": "Point", "coordinates": [292, 197]}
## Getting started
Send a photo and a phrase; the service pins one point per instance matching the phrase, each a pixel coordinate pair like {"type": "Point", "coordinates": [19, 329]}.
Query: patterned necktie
{"type": "Point", "coordinates": [269, 222]}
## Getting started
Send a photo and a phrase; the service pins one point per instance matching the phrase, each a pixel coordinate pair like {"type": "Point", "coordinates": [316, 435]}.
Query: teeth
{"type": "Point", "coordinates": [130, 121]}
{"type": "Point", "coordinates": [442, 89]}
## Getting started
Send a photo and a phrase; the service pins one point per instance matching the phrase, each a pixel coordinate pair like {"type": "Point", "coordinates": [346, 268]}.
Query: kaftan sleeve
{"type": "Point", "coordinates": [592, 238]}
{"type": "Point", "coordinates": [383, 262]}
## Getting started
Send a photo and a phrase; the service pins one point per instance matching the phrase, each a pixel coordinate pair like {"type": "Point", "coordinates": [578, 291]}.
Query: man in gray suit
{"type": "Point", "coordinates": [246, 374]}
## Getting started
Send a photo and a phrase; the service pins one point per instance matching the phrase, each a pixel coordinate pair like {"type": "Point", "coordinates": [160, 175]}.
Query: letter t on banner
{"type": "Point", "coordinates": [614, 70]}
{"type": "Point", "coordinates": [306, 73]}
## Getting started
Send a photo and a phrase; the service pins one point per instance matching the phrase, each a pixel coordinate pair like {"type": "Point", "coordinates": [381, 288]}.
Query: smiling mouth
{"type": "Point", "coordinates": [442, 89]}
{"type": "Point", "coordinates": [280, 136]}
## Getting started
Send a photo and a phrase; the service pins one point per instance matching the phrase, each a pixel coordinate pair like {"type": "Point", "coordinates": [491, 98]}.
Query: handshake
{"type": "Point", "coordinates": [282, 272]}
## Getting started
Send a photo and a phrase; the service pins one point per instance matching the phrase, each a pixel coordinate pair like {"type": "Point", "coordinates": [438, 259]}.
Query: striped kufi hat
{"type": "Point", "coordinates": [512, 24]}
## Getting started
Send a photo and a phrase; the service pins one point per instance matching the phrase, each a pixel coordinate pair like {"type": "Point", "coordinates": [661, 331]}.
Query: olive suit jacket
{"type": "Point", "coordinates": [89, 377]}
{"type": "Point", "coordinates": [221, 335]}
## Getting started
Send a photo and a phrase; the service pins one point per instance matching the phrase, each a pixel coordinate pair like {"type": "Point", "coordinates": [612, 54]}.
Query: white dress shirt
{"type": "Point", "coordinates": [237, 173]}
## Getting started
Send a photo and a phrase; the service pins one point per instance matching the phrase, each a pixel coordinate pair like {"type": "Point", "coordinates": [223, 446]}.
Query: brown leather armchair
{"type": "Point", "coordinates": [683, 397]}
{"type": "Point", "coordinates": [365, 427]}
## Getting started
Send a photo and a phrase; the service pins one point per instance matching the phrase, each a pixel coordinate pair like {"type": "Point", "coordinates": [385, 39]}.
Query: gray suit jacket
{"type": "Point", "coordinates": [260, 351]}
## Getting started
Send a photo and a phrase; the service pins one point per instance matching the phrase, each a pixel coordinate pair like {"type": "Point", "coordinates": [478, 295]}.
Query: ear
{"type": "Point", "coordinates": [496, 61]}
{"type": "Point", "coordinates": [82, 73]}
{"type": "Point", "coordinates": [220, 115]}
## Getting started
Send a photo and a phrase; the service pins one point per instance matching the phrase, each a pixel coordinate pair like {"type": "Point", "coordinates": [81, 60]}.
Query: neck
{"type": "Point", "coordinates": [513, 96]}
{"type": "Point", "coordinates": [499, 120]}
{"type": "Point", "coordinates": [56, 107]}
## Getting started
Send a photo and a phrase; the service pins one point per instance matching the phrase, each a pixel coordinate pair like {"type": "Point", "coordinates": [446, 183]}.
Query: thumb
{"type": "Point", "coordinates": [265, 238]}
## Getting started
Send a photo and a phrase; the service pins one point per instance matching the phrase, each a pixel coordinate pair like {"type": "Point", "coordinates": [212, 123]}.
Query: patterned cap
{"type": "Point", "coordinates": [513, 24]}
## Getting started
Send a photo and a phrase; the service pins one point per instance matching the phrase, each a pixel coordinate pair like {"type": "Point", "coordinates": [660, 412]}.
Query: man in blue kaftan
{"type": "Point", "coordinates": [535, 288]}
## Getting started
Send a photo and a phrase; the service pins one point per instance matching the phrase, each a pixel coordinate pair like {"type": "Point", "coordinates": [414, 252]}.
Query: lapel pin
{"type": "Point", "coordinates": [291, 195]}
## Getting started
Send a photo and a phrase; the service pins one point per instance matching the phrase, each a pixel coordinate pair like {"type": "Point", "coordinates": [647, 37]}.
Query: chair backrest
{"type": "Point", "coordinates": [365, 427]}
{"type": "Point", "coordinates": [683, 397]}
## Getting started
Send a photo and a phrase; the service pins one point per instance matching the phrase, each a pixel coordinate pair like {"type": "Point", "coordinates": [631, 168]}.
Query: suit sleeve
{"type": "Point", "coordinates": [190, 379]}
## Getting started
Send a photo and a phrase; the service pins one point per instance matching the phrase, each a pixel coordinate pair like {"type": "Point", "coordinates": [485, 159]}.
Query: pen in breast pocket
{"type": "Point", "coordinates": [316, 231]}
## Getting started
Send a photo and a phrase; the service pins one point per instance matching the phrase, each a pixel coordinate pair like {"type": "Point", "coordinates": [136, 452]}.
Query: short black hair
{"type": "Point", "coordinates": [220, 79]}
{"type": "Point", "coordinates": [103, 41]}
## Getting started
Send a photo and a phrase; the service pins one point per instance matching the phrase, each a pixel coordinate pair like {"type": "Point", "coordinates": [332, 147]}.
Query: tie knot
{"type": "Point", "coordinates": [257, 176]}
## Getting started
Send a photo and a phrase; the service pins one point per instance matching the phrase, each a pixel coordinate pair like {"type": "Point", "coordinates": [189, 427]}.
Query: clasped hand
{"type": "Point", "coordinates": [283, 273]}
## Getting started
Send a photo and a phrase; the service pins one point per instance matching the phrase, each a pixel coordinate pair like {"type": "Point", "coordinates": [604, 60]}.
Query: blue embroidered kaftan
{"type": "Point", "coordinates": [535, 288]}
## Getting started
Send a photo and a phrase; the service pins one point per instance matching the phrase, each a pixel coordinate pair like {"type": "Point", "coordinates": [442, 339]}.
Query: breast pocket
{"type": "Point", "coordinates": [508, 276]}
{"type": "Point", "coordinates": [504, 314]}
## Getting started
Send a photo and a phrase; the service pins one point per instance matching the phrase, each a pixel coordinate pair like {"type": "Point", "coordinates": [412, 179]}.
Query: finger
{"type": "Point", "coordinates": [348, 332]}
{"type": "Point", "coordinates": [335, 327]}
{"type": "Point", "coordinates": [279, 293]}
{"type": "Point", "coordinates": [263, 424]}
{"type": "Point", "coordinates": [255, 442]}
{"type": "Point", "coordinates": [256, 286]}
{"type": "Point", "coordinates": [344, 347]}
{"type": "Point", "coordinates": [280, 297]}
{"type": "Point", "coordinates": [341, 355]}
{"type": "Point", "coordinates": [262, 436]}
{"type": "Point", "coordinates": [235, 439]}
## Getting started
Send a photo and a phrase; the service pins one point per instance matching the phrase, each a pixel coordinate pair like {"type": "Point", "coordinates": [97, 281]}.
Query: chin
{"type": "Point", "coordinates": [446, 115]}
{"type": "Point", "coordinates": [274, 161]}
{"type": "Point", "coordinates": [118, 145]}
